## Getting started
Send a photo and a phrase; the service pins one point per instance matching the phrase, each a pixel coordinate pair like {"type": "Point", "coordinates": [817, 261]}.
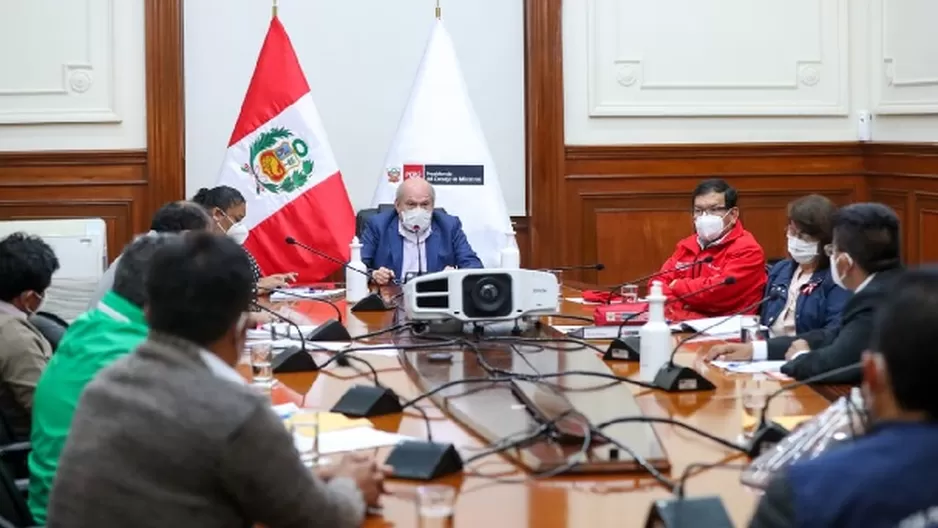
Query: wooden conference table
{"type": "Point", "coordinates": [612, 500]}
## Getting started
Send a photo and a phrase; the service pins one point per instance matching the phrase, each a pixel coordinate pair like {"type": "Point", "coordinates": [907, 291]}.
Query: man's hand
{"type": "Point", "coordinates": [279, 280]}
{"type": "Point", "coordinates": [447, 268]}
{"type": "Point", "coordinates": [382, 276]}
{"type": "Point", "coordinates": [797, 347]}
{"type": "Point", "coordinates": [730, 352]}
{"type": "Point", "coordinates": [366, 473]}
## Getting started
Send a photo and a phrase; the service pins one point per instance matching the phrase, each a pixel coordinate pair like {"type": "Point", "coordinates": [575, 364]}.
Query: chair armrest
{"type": "Point", "coordinates": [16, 448]}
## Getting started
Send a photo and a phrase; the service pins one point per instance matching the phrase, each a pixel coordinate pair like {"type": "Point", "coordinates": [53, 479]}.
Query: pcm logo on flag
{"type": "Point", "coordinates": [279, 161]}
{"type": "Point", "coordinates": [413, 171]}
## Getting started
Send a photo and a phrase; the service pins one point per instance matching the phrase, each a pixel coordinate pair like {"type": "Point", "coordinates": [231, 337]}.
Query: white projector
{"type": "Point", "coordinates": [476, 295]}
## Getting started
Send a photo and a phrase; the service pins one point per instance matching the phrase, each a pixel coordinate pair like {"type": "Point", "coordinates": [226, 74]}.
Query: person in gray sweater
{"type": "Point", "coordinates": [171, 435]}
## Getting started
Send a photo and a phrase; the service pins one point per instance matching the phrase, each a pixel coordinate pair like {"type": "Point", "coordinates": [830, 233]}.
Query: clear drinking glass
{"type": "Point", "coordinates": [435, 506]}
{"type": "Point", "coordinates": [629, 293]}
{"type": "Point", "coordinates": [305, 429]}
{"type": "Point", "coordinates": [750, 329]}
{"type": "Point", "coordinates": [260, 361]}
{"type": "Point", "coordinates": [244, 366]}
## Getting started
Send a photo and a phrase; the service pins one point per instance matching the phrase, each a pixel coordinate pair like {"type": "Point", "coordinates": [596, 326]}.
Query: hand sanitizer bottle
{"type": "Point", "coordinates": [511, 257]}
{"type": "Point", "coordinates": [655, 336]}
{"type": "Point", "coordinates": [356, 284]}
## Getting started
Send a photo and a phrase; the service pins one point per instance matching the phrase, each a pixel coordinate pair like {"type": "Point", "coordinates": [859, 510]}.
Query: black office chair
{"type": "Point", "coordinates": [17, 453]}
{"type": "Point", "coordinates": [13, 508]}
{"type": "Point", "coordinates": [51, 326]}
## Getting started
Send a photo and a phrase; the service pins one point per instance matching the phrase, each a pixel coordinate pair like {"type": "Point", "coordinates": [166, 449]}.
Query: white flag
{"type": "Point", "coordinates": [439, 138]}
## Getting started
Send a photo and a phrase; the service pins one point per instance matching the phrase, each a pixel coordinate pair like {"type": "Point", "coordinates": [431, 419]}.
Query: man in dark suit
{"type": "Point", "coordinates": [865, 260]}
{"type": "Point", "coordinates": [414, 238]}
{"type": "Point", "coordinates": [887, 477]}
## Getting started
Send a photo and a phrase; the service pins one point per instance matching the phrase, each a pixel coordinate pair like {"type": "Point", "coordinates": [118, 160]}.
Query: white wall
{"type": "Point", "coordinates": [700, 71]}
{"type": "Point", "coordinates": [72, 75]}
{"type": "Point", "coordinates": [360, 58]}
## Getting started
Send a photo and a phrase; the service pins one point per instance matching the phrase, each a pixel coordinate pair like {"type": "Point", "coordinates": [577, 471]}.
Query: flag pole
{"type": "Point", "coordinates": [439, 12]}
{"type": "Point", "coordinates": [273, 10]}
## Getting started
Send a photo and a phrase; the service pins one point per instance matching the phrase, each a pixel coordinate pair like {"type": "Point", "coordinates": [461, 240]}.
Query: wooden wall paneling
{"type": "Point", "coordinates": [166, 124]}
{"type": "Point", "coordinates": [926, 247]}
{"type": "Point", "coordinates": [544, 131]}
{"type": "Point", "coordinates": [106, 184]}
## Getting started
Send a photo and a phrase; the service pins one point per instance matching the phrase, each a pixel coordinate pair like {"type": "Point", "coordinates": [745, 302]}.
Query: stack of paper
{"type": "Point", "coordinates": [293, 294]}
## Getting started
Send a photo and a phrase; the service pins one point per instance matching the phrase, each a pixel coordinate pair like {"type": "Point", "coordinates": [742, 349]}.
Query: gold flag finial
{"type": "Point", "coordinates": [439, 12]}
{"type": "Point", "coordinates": [273, 9]}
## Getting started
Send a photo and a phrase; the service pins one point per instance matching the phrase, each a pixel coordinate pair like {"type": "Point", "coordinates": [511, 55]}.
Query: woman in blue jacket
{"type": "Point", "coordinates": [809, 300]}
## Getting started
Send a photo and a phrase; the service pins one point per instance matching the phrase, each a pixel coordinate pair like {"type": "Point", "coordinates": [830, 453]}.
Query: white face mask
{"type": "Point", "coordinates": [709, 227]}
{"type": "Point", "coordinates": [802, 251]}
{"type": "Point", "coordinates": [838, 279]}
{"type": "Point", "coordinates": [417, 217]}
{"type": "Point", "coordinates": [238, 232]}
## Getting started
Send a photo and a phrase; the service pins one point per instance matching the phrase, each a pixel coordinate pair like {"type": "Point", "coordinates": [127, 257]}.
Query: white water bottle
{"type": "Point", "coordinates": [511, 257]}
{"type": "Point", "coordinates": [356, 284]}
{"type": "Point", "coordinates": [655, 336]}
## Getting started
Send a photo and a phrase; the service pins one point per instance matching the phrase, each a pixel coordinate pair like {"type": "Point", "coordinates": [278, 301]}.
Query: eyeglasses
{"type": "Point", "coordinates": [710, 210]}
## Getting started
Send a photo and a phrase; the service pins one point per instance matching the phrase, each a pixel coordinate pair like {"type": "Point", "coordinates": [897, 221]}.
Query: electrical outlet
{"type": "Point", "coordinates": [864, 125]}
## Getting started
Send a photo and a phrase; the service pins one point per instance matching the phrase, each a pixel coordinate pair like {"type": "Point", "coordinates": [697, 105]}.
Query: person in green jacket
{"type": "Point", "coordinates": [95, 340]}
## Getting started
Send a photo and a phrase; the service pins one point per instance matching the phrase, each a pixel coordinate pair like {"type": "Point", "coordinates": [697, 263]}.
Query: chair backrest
{"type": "Point", "coordinates": [51, 326]}
{"type": "Point", "coordinates": [13, 507]}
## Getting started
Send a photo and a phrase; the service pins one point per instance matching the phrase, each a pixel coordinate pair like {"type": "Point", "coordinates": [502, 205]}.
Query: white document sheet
{"type": "Point", "coordinates": [723, 326]}
{"type": "Point", "coordinates": [749, 367]}
{"type": "Point", "coordinates": [345, 440]}
{"type": "Point", "coordinates": [579, 300]}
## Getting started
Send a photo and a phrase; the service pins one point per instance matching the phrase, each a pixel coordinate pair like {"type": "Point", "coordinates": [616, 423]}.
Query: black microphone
{"type": "Point", "coordinates": [373, 302]}
{"type": "Point", "coordinates": [291, 359]}
{"type": "Point", "coordinates": [681, 267]}
{"type": "Point", "coordinates": [769, 433]}
{"type": "Point", "coordinates": [628, 348]}
{"type": "Point", "coordinates": [416, 230]}
{"type": "Point", "coordinates": [330, 330]}
{"type": "Point", "coordinates": [676, 378]}
{"type": "Point", "coordinates": [598, 267]}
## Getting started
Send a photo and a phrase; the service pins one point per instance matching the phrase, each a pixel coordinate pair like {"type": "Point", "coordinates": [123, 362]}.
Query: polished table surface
{"type": "Point", "coordinates": [499, 493]}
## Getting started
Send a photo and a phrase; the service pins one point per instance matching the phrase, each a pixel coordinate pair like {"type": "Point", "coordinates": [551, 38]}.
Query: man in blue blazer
{"type": "Point", "coordinates": [413, 238]}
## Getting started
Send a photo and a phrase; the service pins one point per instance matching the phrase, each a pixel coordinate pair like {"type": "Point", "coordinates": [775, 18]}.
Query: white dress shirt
{"type": "Point", "coordinates": [409, 260]}
{"type": "Point", "coordinates": [221, 369]}
{"type": "Point", "coordinates": [760, 349]}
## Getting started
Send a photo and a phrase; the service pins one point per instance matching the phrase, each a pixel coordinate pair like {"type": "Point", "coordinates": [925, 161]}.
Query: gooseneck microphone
{"type": "Point", "coordinates": [599, 266]}
{"type": "Point", "coordinates": [416, 230]}
{"type": "Point", "coordinates": [769, 433]}
{"type": "Point", "coordinates": [680, 267]}
{"type": "Point", "coordinates": [628, 348]}
{"type": "Point", "coordinates": [373, 302]}
{"type": "Point", "coordinates": [676, 378]}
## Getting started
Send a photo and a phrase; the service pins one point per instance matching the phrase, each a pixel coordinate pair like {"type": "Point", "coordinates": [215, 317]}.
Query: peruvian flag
{"type": "Point", "coordinates": [281, 161]}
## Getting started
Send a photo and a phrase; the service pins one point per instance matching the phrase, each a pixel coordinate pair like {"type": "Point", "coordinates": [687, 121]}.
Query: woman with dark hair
{"type": "Point", "coordinates": [810, 299]}
{"type": "Point", "coordinates": [227, 207]}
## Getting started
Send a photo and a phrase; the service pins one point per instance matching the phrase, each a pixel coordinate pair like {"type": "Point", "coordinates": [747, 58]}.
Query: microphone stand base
{"type": "Point", "coordinates": [698, 512]}
{"type": "Point", "coordinates": [624, 349]}
{"type": "Point", "coordinates": [331, 330]}
{"type": "Point", "coordinates": [367, 401]}
{"type": "Point", "coordinates": [371, 303]}
{"type": "Point", "coordinates": [675, 378]}
{"type": "Point", "coordinates": [766, 437]}
{"type": "Point", "coordinates": [293, 359]}
{"type": "Point", "coordinates": [419, 460]}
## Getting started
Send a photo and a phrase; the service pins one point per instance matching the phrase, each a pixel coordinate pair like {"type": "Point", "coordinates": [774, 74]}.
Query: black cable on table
{"type": "Point", "coordinates": [671, 421]}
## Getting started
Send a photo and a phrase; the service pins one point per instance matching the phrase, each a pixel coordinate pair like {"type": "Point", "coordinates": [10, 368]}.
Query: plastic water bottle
{"type": "Point", "coordinates": [511, 257]}
{"type": "Point", "coordinates": [356, 284]}
{"type": "Point", "coordinates": [655, 336]}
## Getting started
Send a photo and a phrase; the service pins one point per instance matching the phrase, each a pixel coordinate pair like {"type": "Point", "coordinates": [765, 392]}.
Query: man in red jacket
{"type": "Point", "coordinates": [734, 252]}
